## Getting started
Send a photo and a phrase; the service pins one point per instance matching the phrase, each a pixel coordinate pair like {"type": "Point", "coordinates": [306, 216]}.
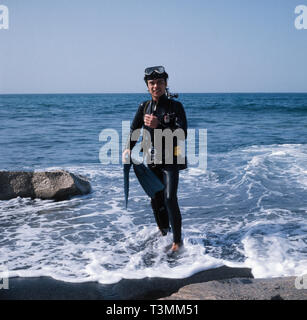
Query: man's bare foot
{"type": "Point", "coordinates": [176, 246]}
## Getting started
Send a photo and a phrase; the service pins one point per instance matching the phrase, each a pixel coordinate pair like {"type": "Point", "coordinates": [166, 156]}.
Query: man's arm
{"type": "Point", "coordinates": [181, 119]}
{"type": "Point", "coordinates": [137, 123]}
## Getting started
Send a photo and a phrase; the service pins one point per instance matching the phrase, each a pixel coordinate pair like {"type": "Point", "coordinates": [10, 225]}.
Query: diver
{"type": "Point", "coordinates": [162, 112]}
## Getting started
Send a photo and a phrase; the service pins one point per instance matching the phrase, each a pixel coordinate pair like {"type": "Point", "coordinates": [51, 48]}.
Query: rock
{"type": "Point", "coordinates": [14, 184]}
{"type": "Point", "coordinates": [57, 185]}
{"type": "Point", "coordinates": [125, 289]}
{"type": "Point", "coordinates": [155, 288]}
{"type": "Point", "coordinates": [242, 289]}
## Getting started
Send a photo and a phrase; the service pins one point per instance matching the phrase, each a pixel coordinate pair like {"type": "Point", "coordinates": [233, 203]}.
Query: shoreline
{"type": "Point", "coordinates": [222, 283]}
{"type": "Point", "coordinates": [47, 288]}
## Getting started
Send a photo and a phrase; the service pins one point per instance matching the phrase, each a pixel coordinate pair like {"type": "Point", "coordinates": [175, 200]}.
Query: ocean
{"type": "Point", "coordinates": [247, 209]}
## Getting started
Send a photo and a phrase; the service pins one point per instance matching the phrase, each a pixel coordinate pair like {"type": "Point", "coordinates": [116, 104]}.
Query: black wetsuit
{"type": "Point", "coordinates": [165, 204]}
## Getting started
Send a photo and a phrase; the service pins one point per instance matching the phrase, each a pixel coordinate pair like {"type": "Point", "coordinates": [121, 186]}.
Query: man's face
{"type": "Point", "coordinates": [156, 88]}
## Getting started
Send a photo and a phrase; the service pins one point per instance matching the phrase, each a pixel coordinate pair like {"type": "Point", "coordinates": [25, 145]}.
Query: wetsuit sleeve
{"type": "Point", "coordinates": [137, 123]}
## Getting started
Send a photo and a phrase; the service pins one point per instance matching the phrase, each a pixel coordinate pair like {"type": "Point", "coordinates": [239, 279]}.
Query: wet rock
{"type": "Point", "coordinates": [16, 184]}
{"type": "Point", "coordinates": [242, 289]}
{"type": "Point", "coordinates": [57, 185]}
{"type": "Point", "coordinates": [125, 289]}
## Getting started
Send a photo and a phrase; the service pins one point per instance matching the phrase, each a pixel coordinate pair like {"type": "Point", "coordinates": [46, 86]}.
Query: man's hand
{"type": "Point", "coordinates": [151, 121]}
{"type": "Point", "coordinates": [126, 156]}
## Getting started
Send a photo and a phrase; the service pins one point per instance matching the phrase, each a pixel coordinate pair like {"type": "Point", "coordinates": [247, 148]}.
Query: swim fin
{"type": "Point", "coordinates": [126, 181]}
{"type": "Point", "coordinates": [148, 180]}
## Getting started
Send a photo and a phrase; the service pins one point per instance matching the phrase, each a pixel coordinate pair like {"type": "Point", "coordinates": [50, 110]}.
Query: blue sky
{"type": "Point", "coordinates": [71, 46]}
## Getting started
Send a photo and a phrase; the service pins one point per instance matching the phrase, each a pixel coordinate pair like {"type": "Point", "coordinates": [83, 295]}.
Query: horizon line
{"type": "Point", "coordinates": [101, 93]}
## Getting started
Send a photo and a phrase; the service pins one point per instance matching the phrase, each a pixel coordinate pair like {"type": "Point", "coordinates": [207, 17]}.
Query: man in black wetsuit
{"type": "Point", "coordinates": [162, 113]}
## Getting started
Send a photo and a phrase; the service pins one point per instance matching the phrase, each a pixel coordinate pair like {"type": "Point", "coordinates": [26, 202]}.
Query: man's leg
{"type": "Point", "coordinates": [170, 179]}
{"type": "Point", "coordinates": [158, 206]}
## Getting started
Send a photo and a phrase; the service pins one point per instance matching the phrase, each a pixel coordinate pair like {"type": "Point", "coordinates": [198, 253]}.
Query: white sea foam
{"type": "Point", "coordinates": [274, 257]}
{"type": "Point", "coordinates": [249, 209]}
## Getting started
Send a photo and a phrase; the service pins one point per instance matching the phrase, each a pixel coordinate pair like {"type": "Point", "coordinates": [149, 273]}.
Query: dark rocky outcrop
{"type": "Point", "coordinates": [242, 289]}
{"type": "Point", "coordinates": [223, 283]}
{"type": "Point", "coordinates": [57, 185]}
{"type": "Point", "coordinates": [126, 289]}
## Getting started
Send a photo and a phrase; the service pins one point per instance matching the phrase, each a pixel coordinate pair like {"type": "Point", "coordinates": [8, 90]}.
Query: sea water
{"type": "Point", "coordinates": [248, 209]}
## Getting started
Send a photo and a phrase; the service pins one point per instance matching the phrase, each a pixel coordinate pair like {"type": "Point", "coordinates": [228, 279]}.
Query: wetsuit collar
{"type": "Point", "coordinates": [161, 99]}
